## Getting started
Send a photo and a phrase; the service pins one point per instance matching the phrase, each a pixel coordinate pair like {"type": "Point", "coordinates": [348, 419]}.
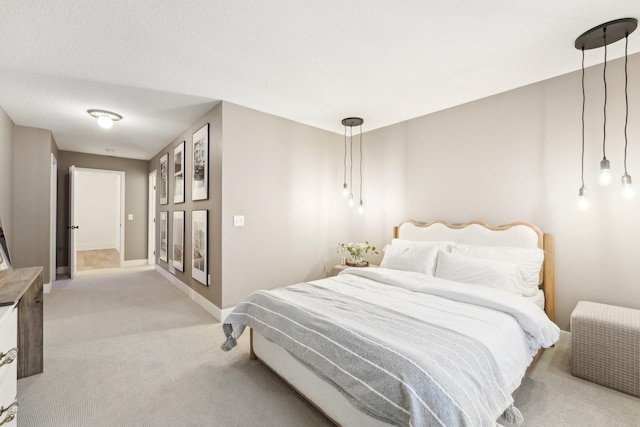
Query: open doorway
{"type": "Point", "coordinates": [97, 212]}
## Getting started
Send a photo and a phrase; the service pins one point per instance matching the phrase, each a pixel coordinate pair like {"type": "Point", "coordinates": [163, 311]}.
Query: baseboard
{"type": "Point", "coordinates": [46, 288]}
{"type": "Point", "coordinates": [225, 312]}
{"type": "Point", "coordinates": [62, 270]}
{"type": "Point", "coordinates": [135, 262]}
{"type": "Point", "coordinates": [96, 246]}
{"type": "Point", "coordinates": [206, 305]}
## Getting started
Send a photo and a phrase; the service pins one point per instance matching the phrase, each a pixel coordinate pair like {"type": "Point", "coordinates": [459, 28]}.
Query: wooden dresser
{"type": "Point", "coordinates": [8, 365]}
{"type": "Point", "coordinates": [22, 287]}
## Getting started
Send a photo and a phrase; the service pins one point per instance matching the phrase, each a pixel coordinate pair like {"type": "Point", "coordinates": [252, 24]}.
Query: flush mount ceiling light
{"type": "Point", "coordinates": [105, 118]}
{"type": "Point", "coordinates": [602, 36]}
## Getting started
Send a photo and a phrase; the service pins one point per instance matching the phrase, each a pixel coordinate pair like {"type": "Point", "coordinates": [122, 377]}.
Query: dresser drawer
{"type": "Point", "coordinates": [9, 369]}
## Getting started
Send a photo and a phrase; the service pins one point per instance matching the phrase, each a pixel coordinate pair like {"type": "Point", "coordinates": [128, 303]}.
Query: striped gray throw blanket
{"type": "Point", "coordinates": [390, 365]}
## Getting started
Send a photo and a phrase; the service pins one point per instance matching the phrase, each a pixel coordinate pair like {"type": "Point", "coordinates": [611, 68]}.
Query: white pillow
{"type": "Point", "coordinates": [413, 256]}
{"type": "Point", "coordinates": [528, 260]}
{"type": "Point", "coordinates": [477, 271]}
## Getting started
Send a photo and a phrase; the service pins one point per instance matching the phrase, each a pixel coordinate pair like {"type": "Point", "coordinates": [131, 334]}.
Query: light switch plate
{"type": "Point", "coordinates": [130, 217]}
{"type": "Point", "coordinates": [238, 220]}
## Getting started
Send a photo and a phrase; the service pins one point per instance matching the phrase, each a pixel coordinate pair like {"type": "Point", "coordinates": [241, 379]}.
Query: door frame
{"type": "Point", "coordinates": [73, 200]}
{"type": "Point", "coordinates": [151, 244]}
{"type": "Point", "coordinates": [53, 227]}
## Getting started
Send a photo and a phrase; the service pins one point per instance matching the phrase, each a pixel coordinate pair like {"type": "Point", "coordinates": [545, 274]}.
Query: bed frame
{"type": "Point", "coordinates": [326, 399]}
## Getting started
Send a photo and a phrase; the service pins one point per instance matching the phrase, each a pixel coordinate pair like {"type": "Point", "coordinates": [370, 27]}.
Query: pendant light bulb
{"type": "Point", "coordinates": [361, 208]}
{"type": "Point", "coordinates": [345, 191]}
{"type": "Point", "coordinates": [627, 188]}
{"type": "Point", "coordinates": [605, 173]}
{"type": "Point", "coordinates": [583, 200]}
{"type": "Point", "coordinates": [351, 202]}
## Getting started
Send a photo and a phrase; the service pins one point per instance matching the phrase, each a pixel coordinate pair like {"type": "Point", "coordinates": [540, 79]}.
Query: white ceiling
{"type": "Point", "coordinates": [162, 64]}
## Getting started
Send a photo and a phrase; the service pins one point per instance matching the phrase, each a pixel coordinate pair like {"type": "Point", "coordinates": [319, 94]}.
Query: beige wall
{"type": "Point", "coordinates": [286, 179]}
{"type": "Point", "coordinates": [516, 157]}
{"type": "Point", "coordinates": [213, 292]}
{"type": "Point", "coordinates": [6, 173]}
{"type": "Point", "coordinates": [136, 200]}
{"type": "Point", "coordinates": [31, 243]}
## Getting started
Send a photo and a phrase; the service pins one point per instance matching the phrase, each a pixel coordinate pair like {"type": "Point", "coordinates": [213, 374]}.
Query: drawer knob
{"type": "Point", "coordinates": [8, 358]}
{"type": "Point", "coordinates": [11, 412]}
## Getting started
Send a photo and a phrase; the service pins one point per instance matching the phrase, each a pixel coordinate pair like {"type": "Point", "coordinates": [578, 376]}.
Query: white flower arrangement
{"type": "Point", "coordinates": [356, 251]}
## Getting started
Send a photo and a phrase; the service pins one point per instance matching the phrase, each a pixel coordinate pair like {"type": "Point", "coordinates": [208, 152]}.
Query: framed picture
{"type": "Point", "coordinates": [5, 264]}
{"type": "Point", "coordinates": [178, 173]}
{"type": "Point", "coordinates": [199, 239]}
{"type": "Point", "coordinates": [163, 236]}
{"type": "Point", "coordinates": [164, 183]}
{"type": "Point", "coordinates": [200, 175]}
{"type": "Point", "coordinates": [5, 260]}
{"type": "Point", "coordinates": [178, 240]}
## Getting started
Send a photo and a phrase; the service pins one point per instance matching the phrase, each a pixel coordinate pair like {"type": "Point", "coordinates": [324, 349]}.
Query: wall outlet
{"type": "Point", "coordinates": [238, 220]}
{"type": "Point", "coordinates": [172, 269]}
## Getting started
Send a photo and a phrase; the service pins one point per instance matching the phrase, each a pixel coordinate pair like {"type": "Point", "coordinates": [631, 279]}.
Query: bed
{"type": "Point", "coordinates": [443, 333]}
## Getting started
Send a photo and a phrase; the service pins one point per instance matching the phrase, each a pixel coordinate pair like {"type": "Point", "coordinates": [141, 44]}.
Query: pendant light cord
{"type": "Point", "coordinates": [361, 157]}
{"type": "Point", "coordinates": [604, 78]}
{"type": "Point", "coordinates": [345, 154]}
{"type": "Point", "coordinates": [351, 160]}
{"type": "Point", "coordinates": [583, 104]}
{"type": "Point", "coordinates": [626, 100]}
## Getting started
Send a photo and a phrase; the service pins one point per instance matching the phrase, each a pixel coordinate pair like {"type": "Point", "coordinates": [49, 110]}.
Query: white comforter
{"type": "Point", "coordinates": [511, 327]}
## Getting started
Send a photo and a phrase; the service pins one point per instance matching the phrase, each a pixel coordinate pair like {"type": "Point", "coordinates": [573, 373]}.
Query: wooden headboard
{"type": "Point", "coordinates": [517, 234]}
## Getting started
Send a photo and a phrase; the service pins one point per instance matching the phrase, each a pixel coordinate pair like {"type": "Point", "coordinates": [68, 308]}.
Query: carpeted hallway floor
{"type": "Point", "coordinates": [129, 349]}
{"type": "Point", "coordinates": [132, 350]}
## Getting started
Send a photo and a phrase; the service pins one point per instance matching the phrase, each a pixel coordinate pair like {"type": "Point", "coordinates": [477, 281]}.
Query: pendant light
{"type": "Point", "coordinates": [605, 165]}
{"type": "Point", "coordinates": [345, 189]}
{"type": "Point", "coordinates": [627, 189]}
{"type": "Point", "coordinates": [583, 201]}
{"type": "Point", "coordinates": [350, 122]}
{"type": "Point", "coordinates": [361, 205]}
{"type": "Point", "coordinates": [602, 36]}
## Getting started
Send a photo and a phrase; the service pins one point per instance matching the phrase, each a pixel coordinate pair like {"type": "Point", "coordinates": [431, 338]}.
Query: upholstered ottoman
{"type": "Point", "coordinates": [606, 345]}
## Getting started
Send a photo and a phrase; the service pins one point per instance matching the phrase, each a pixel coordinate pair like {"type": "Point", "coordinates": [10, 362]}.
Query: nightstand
{"type": "Point", "coordinates": [339, 267]}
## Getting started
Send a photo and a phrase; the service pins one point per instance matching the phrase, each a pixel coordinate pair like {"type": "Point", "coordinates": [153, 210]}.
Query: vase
{"type": "Point", "coordinates": [356, 261]}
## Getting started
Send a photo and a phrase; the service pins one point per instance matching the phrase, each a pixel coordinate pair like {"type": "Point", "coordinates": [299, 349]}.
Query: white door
{"type": "Point", "coordinates": [152, 219]}
{"type": "Point", "coordinates": [73, 267]}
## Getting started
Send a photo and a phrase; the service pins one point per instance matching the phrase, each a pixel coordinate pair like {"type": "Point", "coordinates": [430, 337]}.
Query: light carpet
{"type": "Point", "coordinates": [130, 349]}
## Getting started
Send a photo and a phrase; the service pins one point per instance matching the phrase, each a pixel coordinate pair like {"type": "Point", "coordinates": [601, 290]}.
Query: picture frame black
{"type": "Point", "coordinates": [199, 245]}
{"type": "Point", "coordinates": [5, 258]}
{"type": "Point", "coordinates": [164, 236]}
{"type": "Point", "coordinates": [178, 173]}
{"type": "Point", "coordinates": [164, 179]}
{"type": "Point", "coordinates": [177, 243]}
{"type": "Point", "coordinates": [200, 164]}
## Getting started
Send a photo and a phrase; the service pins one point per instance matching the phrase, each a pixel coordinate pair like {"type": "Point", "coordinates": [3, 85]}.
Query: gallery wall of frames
{"type": "Point", "coordinates": [186, 164]}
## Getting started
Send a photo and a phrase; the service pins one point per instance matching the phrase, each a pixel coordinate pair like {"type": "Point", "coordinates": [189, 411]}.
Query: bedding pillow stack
{"type": "Point", "coordinates": [515, 270]}
{"type": "Point", "coordinates": [528, 261]}
{"type": "Point", "coordinates": [408, 255]}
